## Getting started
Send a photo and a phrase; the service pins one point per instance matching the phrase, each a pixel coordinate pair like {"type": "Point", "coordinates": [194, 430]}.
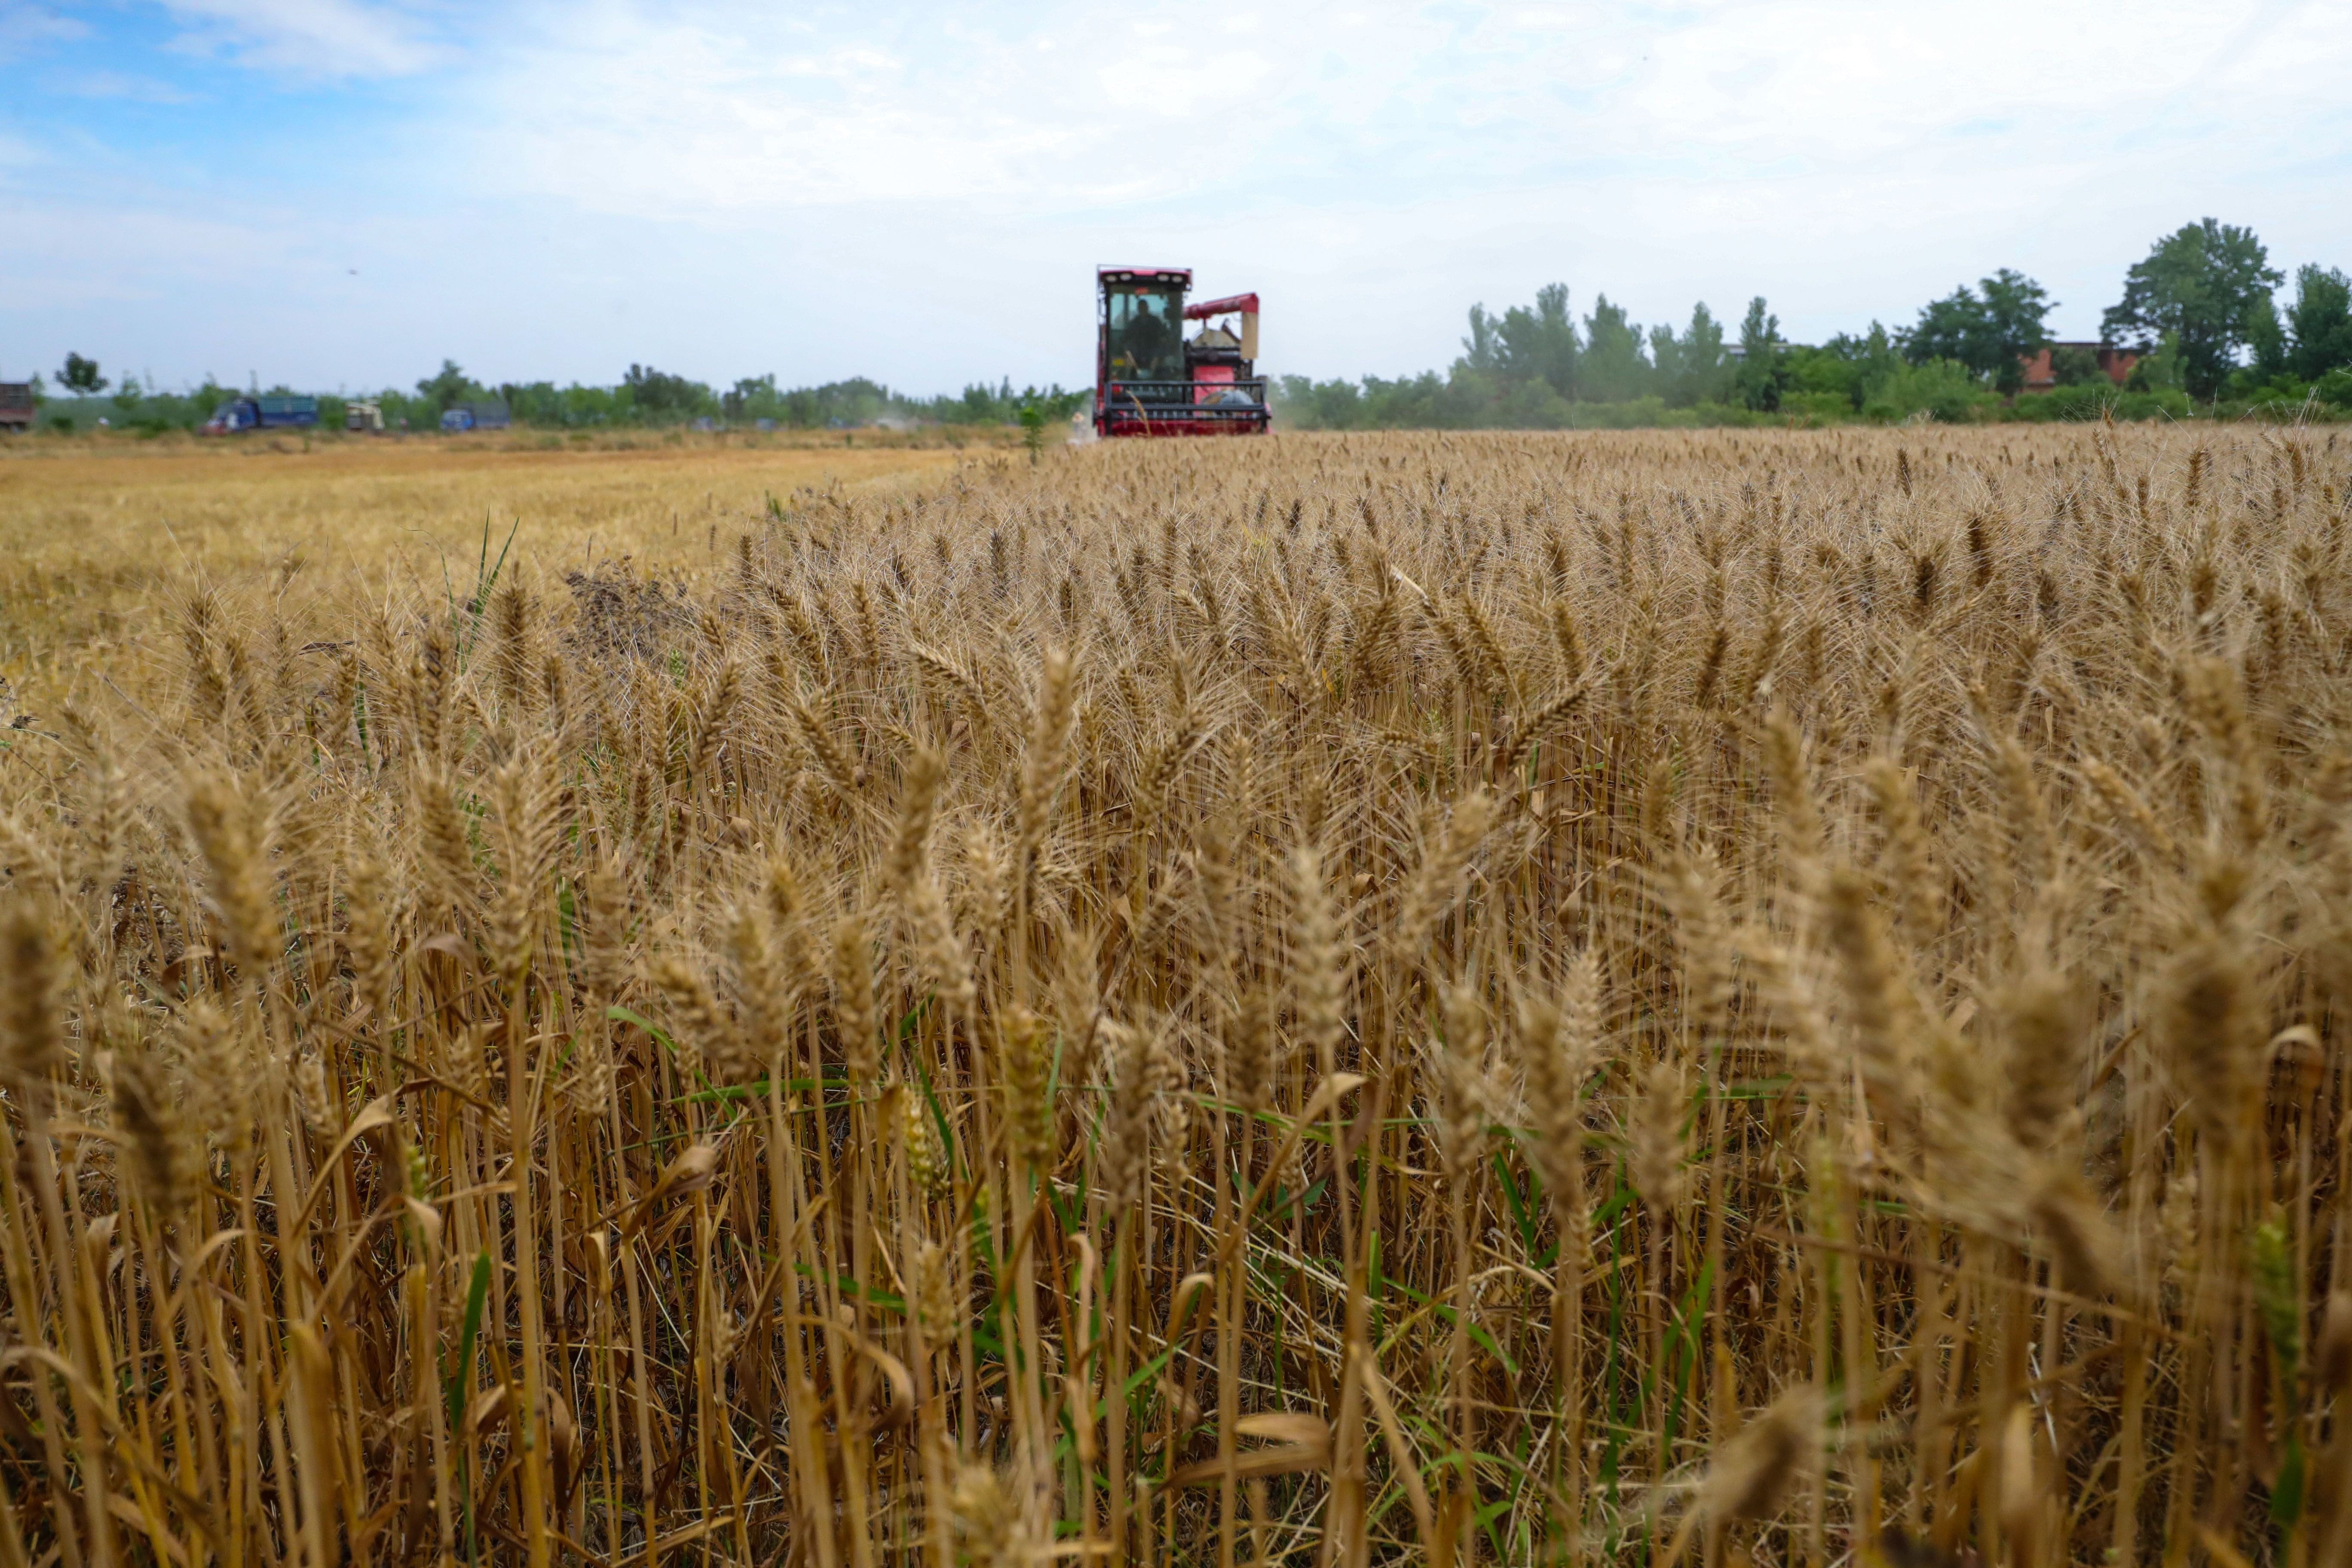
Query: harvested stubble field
{"type": "Point", "coordinates": [95, 527]}
{"type": "Point", "coordinates": [1764, 996]}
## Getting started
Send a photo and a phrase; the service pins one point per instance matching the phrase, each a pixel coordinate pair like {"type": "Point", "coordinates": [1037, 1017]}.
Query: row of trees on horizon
{"type": "Point", "coordinates": [2199, 311]}
{"type": "Point", "coordinates": [643, 396]}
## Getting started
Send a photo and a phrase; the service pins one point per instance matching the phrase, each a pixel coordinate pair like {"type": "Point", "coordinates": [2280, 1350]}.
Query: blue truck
{"type": "Point", "coordinates": [262, 413]}
{"type": "Point", "coordinates": [482, 414]}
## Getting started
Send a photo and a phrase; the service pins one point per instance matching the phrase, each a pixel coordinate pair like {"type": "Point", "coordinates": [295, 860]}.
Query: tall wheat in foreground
{"type": "Point", "coordinates": [1527, 1000]}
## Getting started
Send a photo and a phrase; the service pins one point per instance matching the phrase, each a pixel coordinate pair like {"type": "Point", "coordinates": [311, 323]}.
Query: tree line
{"type": "Point", "coordinates": [2200, 313]}
{"type": "Point", "coordinates": [644, 397]}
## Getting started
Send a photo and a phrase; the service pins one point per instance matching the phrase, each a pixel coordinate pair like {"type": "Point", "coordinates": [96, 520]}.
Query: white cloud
{"type": "Point", "coordinates": [315, 38]}
{"type": "Point", "coordinates": [107, 84]}
{"type": "Point", "coordinates": [917, 191]}
{"type": "Point", "coordinates": [727, 113]}
{"type": "Point", "coordinates": [57, 244]}
{"type": "Point", "coordinates": [719, 112]}
{"type": "Point", "coordinates": [27, 23]}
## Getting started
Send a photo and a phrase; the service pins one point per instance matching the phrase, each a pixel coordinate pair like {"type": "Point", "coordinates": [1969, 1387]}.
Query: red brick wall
{"type": "Point", "coordinates": [2039, 377]}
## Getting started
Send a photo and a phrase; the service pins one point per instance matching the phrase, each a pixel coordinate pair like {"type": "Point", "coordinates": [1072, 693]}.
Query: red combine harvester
{"type": "Point", "coordinates": [1150, 380]}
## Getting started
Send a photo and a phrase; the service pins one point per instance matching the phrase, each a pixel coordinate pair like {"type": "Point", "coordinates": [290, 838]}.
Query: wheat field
{"type": "Point", "coordinates": [1765, 996]}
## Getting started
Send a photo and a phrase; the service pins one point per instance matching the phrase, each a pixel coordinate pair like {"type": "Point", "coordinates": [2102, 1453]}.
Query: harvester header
{"type": "Point", "coordinates": [1151, 380]}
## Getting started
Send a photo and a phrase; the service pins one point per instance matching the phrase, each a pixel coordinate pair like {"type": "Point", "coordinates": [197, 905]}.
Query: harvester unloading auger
{"type": "Point", "coordinates": [1151, 380]}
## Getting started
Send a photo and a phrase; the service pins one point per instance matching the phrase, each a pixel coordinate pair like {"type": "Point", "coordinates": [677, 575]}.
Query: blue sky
{"type": "Point", "coordinates": [340, 193]}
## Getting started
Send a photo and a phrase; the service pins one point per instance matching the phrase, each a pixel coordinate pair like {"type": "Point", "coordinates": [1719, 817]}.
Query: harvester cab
{"type": "Point", "coordinates": [1151, 380]}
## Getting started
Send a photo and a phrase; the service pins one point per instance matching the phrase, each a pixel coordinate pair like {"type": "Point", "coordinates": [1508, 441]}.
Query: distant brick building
{"type": "Point", "coordinates": [2039, 376]}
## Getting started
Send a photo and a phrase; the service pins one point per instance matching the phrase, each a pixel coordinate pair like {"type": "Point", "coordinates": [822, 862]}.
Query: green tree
{"type": "Point", "coordinates": [209, 394]}
{"type": "Point", "coordinates": [1483, 348]}
{"type": "Point", "coordinates": [2266, 339]}
{"type": "Point", "coordinates": [81, 376]}
{"type": "Point", "coordinates": [1878, 358]}
{"type": "Point", "coordinates": [1948, 328]}
{"type": "Point", "coordinates": [752, 397]}
{"type": "Point", "coordinates": [1539, 344]}
{"type": "Point", "coordinates": [2077, 367]}
{"type": "Point", "coordinates": [2319, 322]}
{"type": "Point", "coordinates": [1698, 368]}
{"type": "Point", "coordinates": [1855, 367]}
{"type": "Point", "coordinates": [1665, 358]}
{"type": "Point", "coordinates": [1613, 369]}
{"type": "Point", "coordinates": [2158, 370]}
{"type": "Point", "coordinates": [1945, 391]}
{"type": "Point", "coordinates": [661, 395]}
{"type": "Point", "coordinates": [1311, 405]}
{"type": "Point", "coordinates": [447, 387]}
{"type": "Point", "coordinates": [1988, 332]}
{"type": "Point", "coordinates": [2016, 309]}
{"type": "Point", "coordinates": [128, 395]}
{"type": "Point", "coordinates": [2200, 285]}
{"type": "Point", "coordinates": [1828, 371]}
{"type": "Point", "coordinates": [1760, 351]}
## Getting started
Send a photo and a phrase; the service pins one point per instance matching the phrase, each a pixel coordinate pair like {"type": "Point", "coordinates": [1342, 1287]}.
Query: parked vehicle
{"type": "Point", "coordinates": [261, 413]}
{"type": "Point", "coordinates": [488, 414]}
{"type": "Point", "coordinates": [367, 416]}
{"type": "Point", "coordinates": [16, 406]}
